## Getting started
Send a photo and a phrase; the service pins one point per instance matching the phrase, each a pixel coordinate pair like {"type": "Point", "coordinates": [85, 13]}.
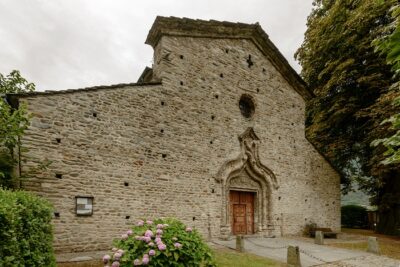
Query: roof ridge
{"type": "Point", "coordinates": [91, 88]}
{"type": "Point", "coordinates": [185, 27]}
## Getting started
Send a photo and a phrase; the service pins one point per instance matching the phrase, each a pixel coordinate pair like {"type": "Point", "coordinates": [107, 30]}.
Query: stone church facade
{"type": "Point", "coordinates": [212, 134]}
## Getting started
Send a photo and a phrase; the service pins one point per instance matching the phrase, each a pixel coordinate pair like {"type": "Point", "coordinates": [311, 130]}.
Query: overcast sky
{"type": "Point", "coordinates": [67, 44]}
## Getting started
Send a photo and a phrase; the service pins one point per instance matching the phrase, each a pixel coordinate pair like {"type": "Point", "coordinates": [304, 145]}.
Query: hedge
{"type": "Point", "coordinates": [354, 216]}
{"type": "Point", "coordinates": [26, 233]}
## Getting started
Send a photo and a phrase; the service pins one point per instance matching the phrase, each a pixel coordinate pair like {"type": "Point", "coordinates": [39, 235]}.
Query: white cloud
{"type": "Point", "coordinates": [62, 44]}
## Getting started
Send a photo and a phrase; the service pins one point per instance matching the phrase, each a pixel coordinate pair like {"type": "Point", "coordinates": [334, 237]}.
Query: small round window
{"type": "Point", "coordinates": [246, 106]}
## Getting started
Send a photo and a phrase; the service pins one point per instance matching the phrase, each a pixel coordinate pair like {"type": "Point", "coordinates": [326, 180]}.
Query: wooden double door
{"type": "Point", "coordinates": [242, 212]}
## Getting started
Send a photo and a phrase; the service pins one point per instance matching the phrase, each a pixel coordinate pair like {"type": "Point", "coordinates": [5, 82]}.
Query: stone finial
{"type": "Point", "coordinates": [319, 237]}
{"type": "Point", "coordinates": [373, 245]}
{"type": "Point", "coordinates": [240, 243]}
{"type": "Point", "coordinates": [293, 256]}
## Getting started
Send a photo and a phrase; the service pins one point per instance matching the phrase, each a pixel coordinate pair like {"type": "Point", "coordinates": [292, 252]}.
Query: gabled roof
{"type": "Point", "coordinates": [146, 76]}
{"type": "Point", "coordinates": [13, 98]}
{"type": "Point", "coordinates": [93, 88]}
{"type": "Point", "coordinates": [172, 26]}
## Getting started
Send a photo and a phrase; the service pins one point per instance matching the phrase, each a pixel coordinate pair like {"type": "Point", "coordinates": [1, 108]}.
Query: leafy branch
{"type": "Point", "coordinates": [390, 45]}
{"type": "Point", "coordinates": [13, 123]}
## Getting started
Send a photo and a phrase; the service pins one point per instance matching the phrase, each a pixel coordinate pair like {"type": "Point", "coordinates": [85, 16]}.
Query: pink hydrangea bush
{"type": "Point", "coordinates": [162, 242]}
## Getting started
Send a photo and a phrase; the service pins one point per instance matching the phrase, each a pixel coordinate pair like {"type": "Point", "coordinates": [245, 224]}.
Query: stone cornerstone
{"type": "Point", "coordinates": [212, 134]}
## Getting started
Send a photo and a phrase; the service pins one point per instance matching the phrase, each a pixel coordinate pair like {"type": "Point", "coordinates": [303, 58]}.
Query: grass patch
{"type": "Point", "coordinates": [223, 257]}
{"type": "Point", "coordinates": [389, 249]}
{"type": "Point", "coordinates": [230, 258]}
{"type": "Point", "coordinates": [389, 245]}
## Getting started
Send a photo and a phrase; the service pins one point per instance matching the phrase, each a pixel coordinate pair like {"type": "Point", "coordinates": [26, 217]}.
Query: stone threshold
{"type": "Point", "coordinates": [80, 256]}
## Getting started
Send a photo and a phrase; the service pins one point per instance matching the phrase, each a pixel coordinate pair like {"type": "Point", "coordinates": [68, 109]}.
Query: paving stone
{"type": "Point", "coordinates": [82, 258]}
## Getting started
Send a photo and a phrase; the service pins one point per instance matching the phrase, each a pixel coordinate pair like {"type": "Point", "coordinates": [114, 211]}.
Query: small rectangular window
{"type": "Point", "coordinates": [84, 206]}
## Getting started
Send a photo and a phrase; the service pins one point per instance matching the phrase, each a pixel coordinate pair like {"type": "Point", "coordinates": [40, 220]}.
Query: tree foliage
{"type": "Point", "coordinates": [390, 46]}
{"type": "Point", "coordinates": [351, 83]}
{"type": "Point", "coordinates": [26, 234]}
{"type": "Point", "coordinates": [13, 123]}
{"type": "Point", "coordinates": [354, 216]}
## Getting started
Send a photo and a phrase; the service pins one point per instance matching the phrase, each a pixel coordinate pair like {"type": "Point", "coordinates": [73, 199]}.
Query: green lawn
{"type": "Point", "coordinates": [224, 258]}
{"type": "Point", "coordinates": [230, 258]}
{"type": "Point", "coordinates": [389, 245]}
{"type": "Point", "coordinates": [388, 249]}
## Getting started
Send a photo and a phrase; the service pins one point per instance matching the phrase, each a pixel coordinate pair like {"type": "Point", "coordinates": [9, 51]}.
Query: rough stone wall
{"type": "Point", "coordinates": [168, 141]}
{"type": "Point", "coordinates": [309, 188]}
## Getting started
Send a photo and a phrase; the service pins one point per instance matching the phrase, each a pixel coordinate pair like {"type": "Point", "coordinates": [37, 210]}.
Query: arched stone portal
{"type": "Point", "coordinates": [247, 174]}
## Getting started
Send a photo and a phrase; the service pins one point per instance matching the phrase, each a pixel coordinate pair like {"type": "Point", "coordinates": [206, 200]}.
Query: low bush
{"type": "Point", "coordinates": [26, 234]}
{"type": "Point", "coordinates": [354, 216]}
{"type": "Point", "coordinates": [160, 243]}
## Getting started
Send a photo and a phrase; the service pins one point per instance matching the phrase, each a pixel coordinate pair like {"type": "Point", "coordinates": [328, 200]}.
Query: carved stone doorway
{"type": "Point", "coordinates": [247, 174]}
{"type": "Point", "coordinates": [242, 212]}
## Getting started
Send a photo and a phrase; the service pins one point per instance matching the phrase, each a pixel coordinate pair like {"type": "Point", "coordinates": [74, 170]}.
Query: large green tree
{"type": "Point", "coordinates": [390, 46]}
{"type": "Point", "coordinates": [13, 123]}
{"type": "Point", "coordinates": [351, 82]}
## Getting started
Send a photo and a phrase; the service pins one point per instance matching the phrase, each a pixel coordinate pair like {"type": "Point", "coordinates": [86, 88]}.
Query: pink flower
{"type": "Point", "coordinates": [140, 223]}
{"type": "Point", "coordinates": [138, 237]}
{"type": "Point", "coordinates": [151, 244]}
{"type": "Point", "coordinates": [148, 233]}
{"type": "Point", "coordinates": [137, 262]}
{"type": "Point", "coordinates": [115, 264]}
{"type": "Point", "coordinates": [149, 222]}
{"type": "Point", "coordinates": [159, 232]}
{"type": "Point", "coordinates": [174, 239]}
{"type": "Point", "coordinates": [114, 249]}
{"type": "Point", "coordinates": [188, 229]}
{"type": "Point", "coordinates": [152, 252]}
{"type": "Point", "coordinates": [117, 256]}
{"type": "Point", "coordinates": [106, 258]}
{"type": "Point", "coordinates": [129, 232]}
{"type": "Point", "coordinates": [145, 261]}
{"type": "Point", "coordinates": [147, 239]}
{"type": "Point", "coordinates": [161, 246]}
{"type": "Point", "coordinates": [120, 251]}
{"type": "Point", "coordinates": [158, 239]}
{"type": "Point", "coordinates": [124, 237]}
{"type": "Point", "coordinates": [160, 226]}
{"type": "Point", "coordinates": [178, 245]}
